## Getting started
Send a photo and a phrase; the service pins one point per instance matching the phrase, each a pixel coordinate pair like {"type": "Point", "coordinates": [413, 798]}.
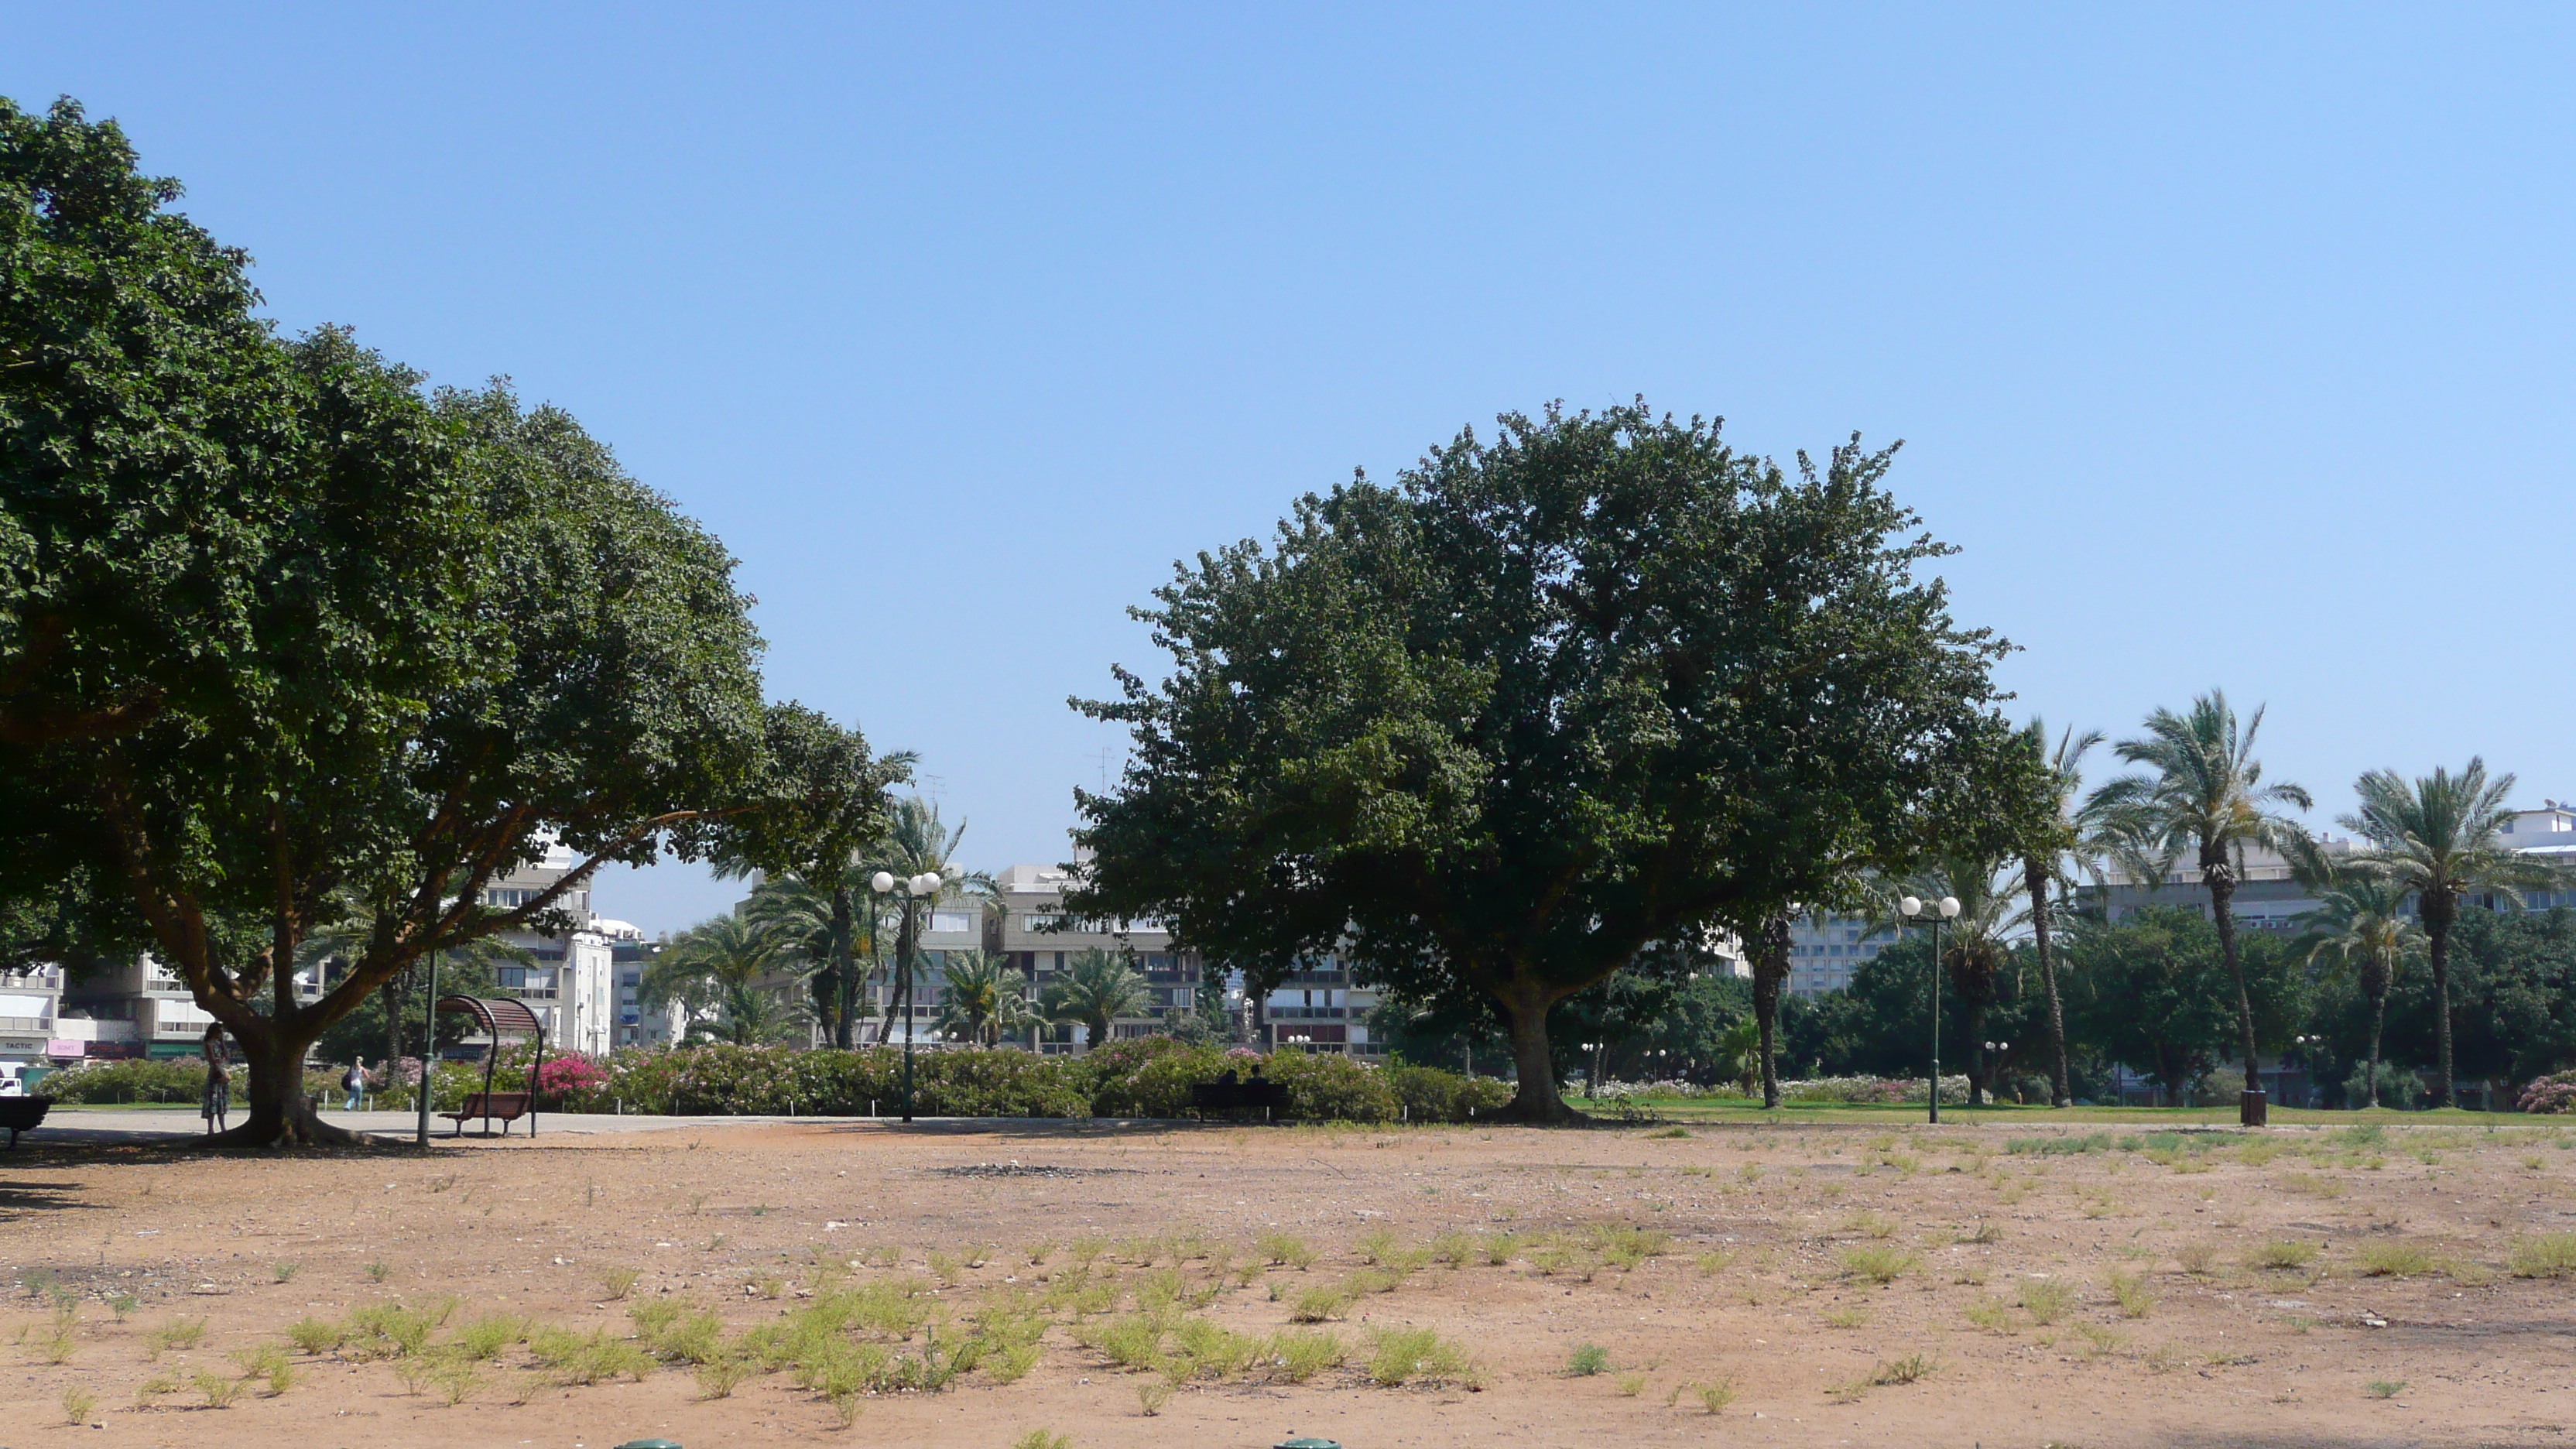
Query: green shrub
{"type": "Point", "coordinates": [172, 1079]}
{"type": "Point", "coordinates": [1139, 1077]}
{"type": "Point", "coordinates": [1431, 1094]}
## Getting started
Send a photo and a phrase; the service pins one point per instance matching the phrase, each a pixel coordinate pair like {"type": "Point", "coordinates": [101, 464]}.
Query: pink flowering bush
{"type": "Point", "coordinates": [570, 1073]}
{"type": "Point", "coordinates": [2551, 1094]}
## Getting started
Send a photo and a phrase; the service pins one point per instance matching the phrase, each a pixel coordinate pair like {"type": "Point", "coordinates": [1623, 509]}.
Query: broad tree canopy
{"type": "Point", "coordinates": [1545, 701]}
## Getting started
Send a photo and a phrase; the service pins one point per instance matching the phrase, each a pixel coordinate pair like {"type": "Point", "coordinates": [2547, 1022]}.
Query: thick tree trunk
{"type": "Point", "coordinates": [845, 968]}
{"type": "Point", "coordinates": [1770, 973]}
{"type": "Point", "coordinates": [277, 1113]}
{"type": "Point", "coordinates": [2439, 910]}
{"type": "Point", "coordinates": [2035, 876]}
{"type": "Point", "coordinates": [393, 1018]}
{"type": "Point", "coordinates": [1524, 1013]}
{"type": "Point", "coordinates": [2378, 1019]}
{"type": "Point", "coordinates": [2222, 896]}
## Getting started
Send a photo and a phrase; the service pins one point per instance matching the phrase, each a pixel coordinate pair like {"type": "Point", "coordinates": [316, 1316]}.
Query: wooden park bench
{"type": "Point", "coordinates": [1266, 1097]}
{"type": "Point", "coordinates": [21, 1114]}
{"type": "Point", "coordinates": [508, 1106]}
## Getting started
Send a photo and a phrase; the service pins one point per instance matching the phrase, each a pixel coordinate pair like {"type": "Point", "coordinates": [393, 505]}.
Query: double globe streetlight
{"type": "Point", "coordinates": [1948, 906]}
{"type": "Point", "coordinates": [910, 893]}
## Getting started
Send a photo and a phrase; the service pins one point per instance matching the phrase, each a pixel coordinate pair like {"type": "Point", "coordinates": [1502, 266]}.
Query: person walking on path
{"type": "Point", "coordinates": [354, 1082]}
{"type": "Point", "coordinates": [218, 1103]}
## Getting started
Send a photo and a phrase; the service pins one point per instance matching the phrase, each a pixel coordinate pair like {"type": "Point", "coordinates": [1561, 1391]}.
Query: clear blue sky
{"type": "Point", "coordinates": [2232, 343]}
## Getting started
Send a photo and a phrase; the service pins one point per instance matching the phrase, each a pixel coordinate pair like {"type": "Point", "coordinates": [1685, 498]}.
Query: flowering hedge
{"type": "Point", "coordinates": [2555, 1093]}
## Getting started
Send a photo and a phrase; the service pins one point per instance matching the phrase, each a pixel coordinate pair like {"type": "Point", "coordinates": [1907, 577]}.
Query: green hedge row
{"type": "Point", "coordinates": [1147, 1077]}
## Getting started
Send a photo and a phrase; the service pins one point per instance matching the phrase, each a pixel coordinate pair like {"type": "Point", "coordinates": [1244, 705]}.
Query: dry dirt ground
{"type": "Point", "coordinates": [2209, 1288]}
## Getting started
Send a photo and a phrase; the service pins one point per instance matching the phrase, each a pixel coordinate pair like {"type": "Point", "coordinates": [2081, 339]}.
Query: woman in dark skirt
{"type": "Point", "coordinates": [218, 1104]}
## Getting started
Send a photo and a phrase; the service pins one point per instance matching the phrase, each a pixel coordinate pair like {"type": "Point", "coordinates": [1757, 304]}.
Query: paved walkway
{"type": "Point", "coordinates": [129, 1124]}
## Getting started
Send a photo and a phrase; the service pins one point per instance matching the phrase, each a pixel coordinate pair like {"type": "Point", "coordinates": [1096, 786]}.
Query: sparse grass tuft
{"type": "Point", "coordinates": [1297, 1357]}
{"type": "Point", "coordinates": [1321, 1302]}
{"type": "Point", "coordinates": [2386, 1389]}
{"type": "Point", "coordinates": [2045, 1299]}
{"type": "Point", "coordinates": [1632, 1385]}
{"type": "Point", "coordinates": [2197, 1258]}
{"type": "Point", "coordinates": [1872, 1225]}
{"type": "Point", "coordinates": [1400, 1355]}
{"type": "Point", "coordinates": [717, 1376]}
{"type": "Point", "coordinates": [2394, 1260]}
{"type": "Point", "coordinates": [2550, 1255]}
{"type": "Point", "coordinates": [1588, 1359]}
{"type": "Point", "coordinates": [219, 1391]}
{"type": "Point", "coordinates": [284, 1272]}
{"type": "Point", "coordinates": [2130, 1291]}
{"type": "Point", "coordinates": [1283, 1250]}
{"type": "Point", "coordinates": [616, 1283]}
{"type": "Point", "coordinates": [1042, 1439]}
{"type": "Point", "coordinates": [1877, 1263]}
{"type": "Point", "coordinates": [316, 1336]}
{"type": "Point", "coordinates": [1991, 1314]}
{"type": "Point", "coordinates": [77, 1402]}
{"type": "Point", "coordinates": [2282, 1255]}
{"type": "Point", "coordinates": [1905, 1370]}
{"type": "Point", "coordinates": [1714, 1397]}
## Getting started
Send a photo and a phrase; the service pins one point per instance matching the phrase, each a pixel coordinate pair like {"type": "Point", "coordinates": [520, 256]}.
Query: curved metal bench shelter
{"type": "Point", "coordinates": [498, 1014]}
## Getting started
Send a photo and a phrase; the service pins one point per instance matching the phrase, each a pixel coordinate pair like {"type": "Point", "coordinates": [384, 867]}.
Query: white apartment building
{"type": "Point", "coordinates": [1823, 953]}
{"type": "Point", "coordinates": [573, 985]}
{"type": "Point", "coordinates": [138, 1008]}
{"type": "Point", "coordinates": [1035, 937]}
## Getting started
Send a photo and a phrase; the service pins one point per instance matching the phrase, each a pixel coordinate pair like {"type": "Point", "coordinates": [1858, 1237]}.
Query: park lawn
{"type": "Point", "coordinates": [1743, 1110]}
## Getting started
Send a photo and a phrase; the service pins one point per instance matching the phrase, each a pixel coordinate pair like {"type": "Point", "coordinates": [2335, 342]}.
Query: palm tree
{"type": "Point", "coordinates": [2058, 839]}
{"type": "Point", "coordinates": [1098, 990]}
{"type": "Point", "coordinates": [819, 925]}
{"type": "Point", "coordinates": [714, 972]}
{"type": "Point", "coordinates": [2438, 838]}
{"type": "Point", "coordinates": [1973, 948]}
{"type": "Point", "coordinates": [750, 1014]}
{"type": "Point", "coordinates": [916, 843]}
{"type": "Point", "coordinates": [2206, 795]}
{"type": "Point", "coordinates": [2359, 925]}
{"type": "Point", "coordinates": [982, 998]}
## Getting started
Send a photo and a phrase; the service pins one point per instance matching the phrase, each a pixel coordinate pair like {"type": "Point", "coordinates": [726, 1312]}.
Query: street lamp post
{"type": "Point", "coordinates": [1996, 1050]}
{"type": "Point", "coordinates": [909, 893]}
{"type": "Point", "coordinates": [1909, 908]}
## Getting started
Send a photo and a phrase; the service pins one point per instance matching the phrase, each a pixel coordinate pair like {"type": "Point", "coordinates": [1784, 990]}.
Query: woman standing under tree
{"type": "Point", "coordinates": [218, 1104]}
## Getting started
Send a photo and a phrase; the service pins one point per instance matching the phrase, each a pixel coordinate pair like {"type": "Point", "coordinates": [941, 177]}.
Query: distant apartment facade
{"type": "Point", "coordinates": [585, 984]}
{"type": "Point", "coordinates": [1824, 951]}
{"type": "Point", "coordinates": [1035, 937]}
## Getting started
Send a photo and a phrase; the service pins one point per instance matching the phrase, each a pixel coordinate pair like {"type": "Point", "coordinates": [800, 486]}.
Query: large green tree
{"type": "Point", "coordinates": [2441, 836]}
{"type": "Point", "coordinates": [2203, 795]}
{"type": "Point", "coordinates": [2154, 992]}
{"type": "Point", "coordinates": [137, 393]}
{"type": "Point", "coordinates": [466, 634]}
{"type": "Point", "coordinates": [1547, 700]}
